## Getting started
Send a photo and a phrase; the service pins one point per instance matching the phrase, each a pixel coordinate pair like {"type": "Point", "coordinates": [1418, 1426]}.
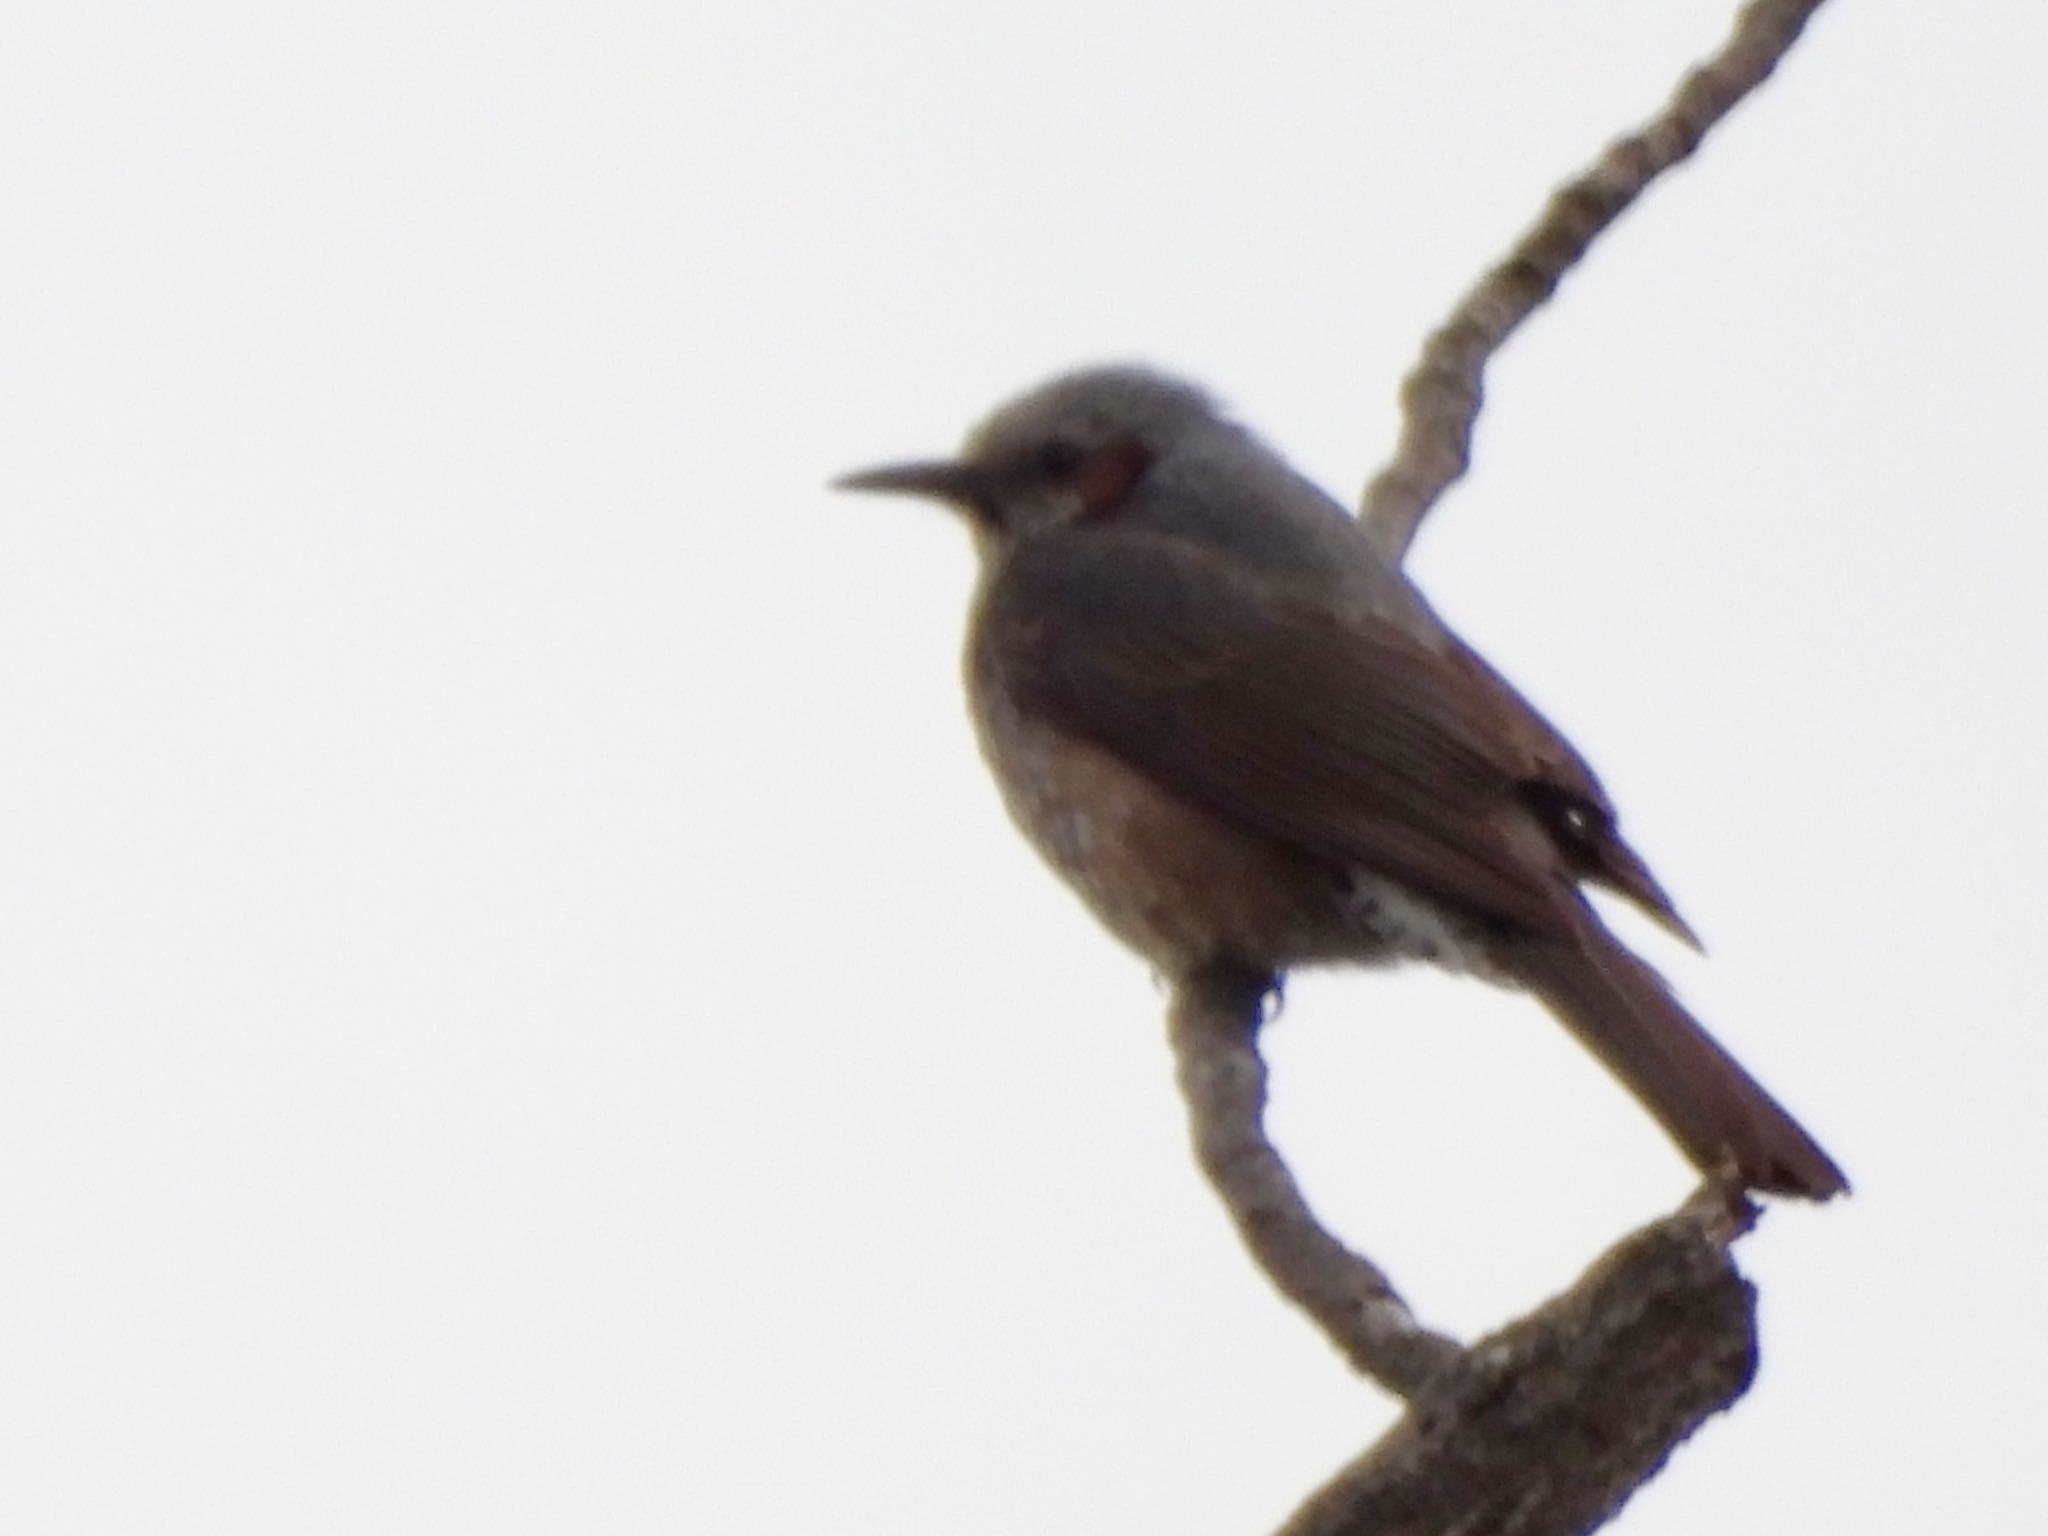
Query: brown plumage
{"type": "Point", "coordinates": [1240, 735]}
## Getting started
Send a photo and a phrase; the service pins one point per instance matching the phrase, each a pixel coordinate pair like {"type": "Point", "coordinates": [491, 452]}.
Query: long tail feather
{"type": "Point", "coordinates": [1622, 1011]}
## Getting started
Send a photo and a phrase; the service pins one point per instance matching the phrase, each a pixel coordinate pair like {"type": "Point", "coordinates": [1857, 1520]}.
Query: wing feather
{"type": "Point", "coordinates": [1344, 737]}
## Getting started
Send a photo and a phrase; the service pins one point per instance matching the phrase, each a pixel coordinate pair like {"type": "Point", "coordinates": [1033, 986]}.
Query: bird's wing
{"type": "Point", "coordinates": [1342, 736]}
{"type": "Point", "coordinates": [1557, 785]}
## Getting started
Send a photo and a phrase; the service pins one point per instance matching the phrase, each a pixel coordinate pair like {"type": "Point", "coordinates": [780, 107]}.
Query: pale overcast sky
{"type": "Point", "coordinates": [519, 1009]}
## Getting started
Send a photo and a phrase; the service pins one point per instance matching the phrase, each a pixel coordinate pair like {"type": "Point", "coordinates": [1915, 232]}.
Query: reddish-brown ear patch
{"type": "Point", "coordinates": [1106, 476]}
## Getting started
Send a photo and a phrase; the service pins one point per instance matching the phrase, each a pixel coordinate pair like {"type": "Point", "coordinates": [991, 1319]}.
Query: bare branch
{"type": "Point", "coordinates": [1214, 1023]}
{"type": "Point", "coordinates": [1546, 1428]}
{"type": "Point", "coordinates": [1440, 398]}
{"type": "Point", "coordinates": [1558, 1418]}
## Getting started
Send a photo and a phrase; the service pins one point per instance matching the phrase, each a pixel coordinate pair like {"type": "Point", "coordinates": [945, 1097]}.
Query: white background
{"type": "Point", "coordinates": [519, 1010]}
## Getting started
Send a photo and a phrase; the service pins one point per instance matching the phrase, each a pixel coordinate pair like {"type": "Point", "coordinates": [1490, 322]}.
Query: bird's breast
{"type": "Point", "coordinates": [1176, 881]}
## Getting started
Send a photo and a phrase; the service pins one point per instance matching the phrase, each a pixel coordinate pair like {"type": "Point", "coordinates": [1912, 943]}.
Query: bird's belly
{"type": "Point", "coordinates": [1181, 884]}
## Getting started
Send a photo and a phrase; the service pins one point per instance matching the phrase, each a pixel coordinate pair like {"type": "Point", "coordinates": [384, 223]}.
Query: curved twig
{"type": "Point", "coordinates": [1441, 396]}
{"type": "Point", "coordinates": [1214, 1023]}
{"type": "Point", "coordinates": [1548, 1427]}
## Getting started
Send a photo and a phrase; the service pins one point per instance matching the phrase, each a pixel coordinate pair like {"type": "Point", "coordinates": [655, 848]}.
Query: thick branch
{"type": "Point", "coordinates": [1558, 1418]}
{"type": "Point", "coordinates": [1215, 1026]}
{"type": "Point", "coordinates": [1440, 398]}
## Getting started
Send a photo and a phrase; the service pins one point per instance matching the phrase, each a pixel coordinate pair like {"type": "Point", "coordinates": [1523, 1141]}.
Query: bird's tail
{"type": "Point", "coordinates": [1720, 1115]}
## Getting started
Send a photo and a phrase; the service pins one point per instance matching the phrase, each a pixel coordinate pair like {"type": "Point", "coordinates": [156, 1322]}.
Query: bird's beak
{"type": "Point", "coordinates": [938, 479]}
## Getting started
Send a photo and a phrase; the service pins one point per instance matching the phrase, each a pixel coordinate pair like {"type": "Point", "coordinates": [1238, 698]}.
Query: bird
{"type": "Point", "coordinates": [1228, 719]}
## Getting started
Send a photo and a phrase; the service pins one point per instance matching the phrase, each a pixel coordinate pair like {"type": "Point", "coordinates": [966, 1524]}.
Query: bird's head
{"type": "Point", "coordinates": [1075, 450]}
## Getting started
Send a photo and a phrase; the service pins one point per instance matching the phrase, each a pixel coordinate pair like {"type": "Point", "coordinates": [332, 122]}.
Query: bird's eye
{"type": "Point", "coordinates": [1059, 458]}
